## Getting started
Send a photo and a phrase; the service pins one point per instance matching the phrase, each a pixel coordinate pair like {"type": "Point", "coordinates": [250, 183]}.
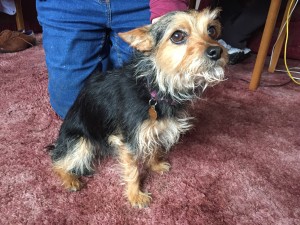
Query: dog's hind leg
{"type": "Point", "coordinates": [76, 161]}
{"type": "Point", "coordinates": [131, 174]}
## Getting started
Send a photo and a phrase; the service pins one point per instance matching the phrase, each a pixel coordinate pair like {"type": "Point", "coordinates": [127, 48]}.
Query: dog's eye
{"type": "Point", "coordinates": [178, 37]}
{"type": "Point", "coordinates": [212, 32]}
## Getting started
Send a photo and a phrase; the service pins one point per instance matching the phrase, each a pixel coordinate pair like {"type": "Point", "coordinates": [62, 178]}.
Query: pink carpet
{"type": "Point", "coordinates": [239, 165]}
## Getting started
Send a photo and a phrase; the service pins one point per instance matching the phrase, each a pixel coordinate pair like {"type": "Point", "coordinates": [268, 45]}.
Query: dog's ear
{"type": "Point", "coordinates": [139, 38]}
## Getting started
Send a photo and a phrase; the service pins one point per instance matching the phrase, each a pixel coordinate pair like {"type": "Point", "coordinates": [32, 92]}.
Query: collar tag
{"type": "Point", "coordinates": [152, 112]}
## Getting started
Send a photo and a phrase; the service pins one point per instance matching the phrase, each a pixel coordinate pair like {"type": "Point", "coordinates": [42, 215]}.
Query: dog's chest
{"type": "Point", "coordinates": [159, 133]}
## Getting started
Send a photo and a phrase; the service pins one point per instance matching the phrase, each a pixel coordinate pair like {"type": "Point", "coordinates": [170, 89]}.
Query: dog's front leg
{"type": "Point", "coordinates": [131, 176]}
{"type": "Point", "coordinates": [130, 173]}
{"type": "Point", "coordinates": [157, 164]}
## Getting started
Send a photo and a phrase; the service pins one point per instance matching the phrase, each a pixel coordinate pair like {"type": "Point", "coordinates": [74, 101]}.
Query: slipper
{"type": "Point", "coordinates": [237, 57]}
{"type": "Point", "coordinates": [14, 41]}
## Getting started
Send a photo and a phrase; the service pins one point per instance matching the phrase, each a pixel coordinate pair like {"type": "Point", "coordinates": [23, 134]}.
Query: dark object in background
{"type": "Point", "coordinates": [240, 19]}
{"type": "Point", "coordinates": [8, 22]}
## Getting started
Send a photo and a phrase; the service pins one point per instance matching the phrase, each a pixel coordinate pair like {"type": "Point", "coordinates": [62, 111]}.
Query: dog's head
{"type": "Point", "coordinates": [183, 49]}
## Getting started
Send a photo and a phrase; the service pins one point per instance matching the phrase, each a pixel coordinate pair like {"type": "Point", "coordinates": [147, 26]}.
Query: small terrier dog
{"type": "Point", "coordinates": [138, 112]}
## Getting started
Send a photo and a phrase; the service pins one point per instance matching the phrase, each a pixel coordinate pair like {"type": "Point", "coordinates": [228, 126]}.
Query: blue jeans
{"type": "Point", "coordinates": [79, 36]}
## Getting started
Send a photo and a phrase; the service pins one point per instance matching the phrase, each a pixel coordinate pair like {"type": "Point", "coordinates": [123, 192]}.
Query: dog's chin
{"type": "Point", "coordinates": [209, 77]}
{"type": "Point", "coordinates": [212, 74]}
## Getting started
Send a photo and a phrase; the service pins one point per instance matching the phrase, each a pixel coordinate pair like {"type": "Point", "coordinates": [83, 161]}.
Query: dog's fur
{"type": "Point", "coordinates": [138, 112]}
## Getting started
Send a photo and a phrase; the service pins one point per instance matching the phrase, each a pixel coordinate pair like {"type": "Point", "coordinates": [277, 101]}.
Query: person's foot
{"type": "Point", "coordinates": [235, 55]}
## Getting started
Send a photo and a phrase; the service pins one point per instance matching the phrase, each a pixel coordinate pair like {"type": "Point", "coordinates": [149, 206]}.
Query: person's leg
{"type": "Point", "coordinates": [124, 17]}
{"type": "Point", "coordinates": [238, 27]}
{"type": "Point", "coordinates": [253, 17]}
{"type": "Point", "coordinates": [74, 33]}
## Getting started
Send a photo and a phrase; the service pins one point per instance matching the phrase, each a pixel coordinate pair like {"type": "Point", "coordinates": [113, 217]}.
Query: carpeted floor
{"type": "Point", "coordinates": [239, 165]}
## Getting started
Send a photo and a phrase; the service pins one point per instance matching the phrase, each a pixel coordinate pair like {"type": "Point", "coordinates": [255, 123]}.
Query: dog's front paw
{"type": "Point", "coordinates": [140, 200]}
{"type": "Point", "coordinates": [70, 181]}
{"type": "Point", "coordinates": [161, 167]}
{"type": "Point", "coordinates": [72, 184]}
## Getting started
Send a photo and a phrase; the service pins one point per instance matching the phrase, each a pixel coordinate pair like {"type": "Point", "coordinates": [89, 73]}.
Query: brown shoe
{"type": "Point", "coordinates": [14, 41]}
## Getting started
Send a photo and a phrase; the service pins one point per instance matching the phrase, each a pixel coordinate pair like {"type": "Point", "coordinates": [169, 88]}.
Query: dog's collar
{"type": "Point", "coordinates": [155, 98]}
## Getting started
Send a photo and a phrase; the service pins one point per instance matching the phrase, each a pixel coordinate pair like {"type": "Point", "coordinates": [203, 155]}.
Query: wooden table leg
{"type": "Point", "coordinates": [19, 16]}
{"type": "Point", "coordinates": [264, 43]}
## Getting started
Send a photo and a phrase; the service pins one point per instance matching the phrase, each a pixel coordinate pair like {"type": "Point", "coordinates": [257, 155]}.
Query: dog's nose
{"type": "Point", "coordinates": [214, 52]}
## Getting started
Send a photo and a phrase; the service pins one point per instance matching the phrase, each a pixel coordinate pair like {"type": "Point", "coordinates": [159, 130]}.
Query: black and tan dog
{"type": "Point", "coordinates": [138, 112]}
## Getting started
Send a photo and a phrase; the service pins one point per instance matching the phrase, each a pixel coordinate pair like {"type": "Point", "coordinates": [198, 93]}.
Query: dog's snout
{"type": "Point", "coordinates": [214, 52]}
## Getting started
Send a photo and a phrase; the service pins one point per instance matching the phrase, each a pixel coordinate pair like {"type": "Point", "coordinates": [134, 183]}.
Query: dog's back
{"type": "Point", "coordinates": [97, 113]}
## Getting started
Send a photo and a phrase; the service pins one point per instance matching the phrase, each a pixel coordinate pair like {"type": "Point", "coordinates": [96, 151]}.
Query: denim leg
{"type": "Point", "coordinates": [75, 41]}
{"type": "Point", "coordinates": [125, 17]}
{"type": "Point", "coordinates": [74, 36]}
